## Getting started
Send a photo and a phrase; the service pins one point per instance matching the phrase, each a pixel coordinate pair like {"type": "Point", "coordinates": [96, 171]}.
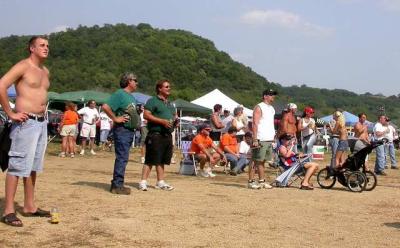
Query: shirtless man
{"type": "Point", "coordinates": [288, 122]}
{"type": "Point", "coordinates": [361, 132]}
{"type": "Point", "coordinates": [29, 128]}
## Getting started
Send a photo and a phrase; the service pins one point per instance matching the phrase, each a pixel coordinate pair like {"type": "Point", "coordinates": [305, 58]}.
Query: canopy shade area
{"type": "Point", "coordinates": [217, 97]}
{"type": "Point", "coordinates": [140, 97]}
{"type": "Point", "coordinates": [80, 96]}
{"type": "Point", "coordinates": [350, 118]}
{"type": "Point", "coordinates": [11, 92]}
{"type": "Point", "coordinates": [185, 106]}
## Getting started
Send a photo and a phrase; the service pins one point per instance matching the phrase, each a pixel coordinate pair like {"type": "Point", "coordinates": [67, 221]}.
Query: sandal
{"type": "Point", "coordinates": [11, 220]}
{"type": "Point", "coordinates": [307, 187]}
{"type": "Point", "coordinates": [39, 213]}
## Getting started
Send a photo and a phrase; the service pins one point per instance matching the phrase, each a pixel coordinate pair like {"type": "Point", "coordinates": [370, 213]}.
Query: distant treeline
{"type": "Point", "coordinates": [94, 57]}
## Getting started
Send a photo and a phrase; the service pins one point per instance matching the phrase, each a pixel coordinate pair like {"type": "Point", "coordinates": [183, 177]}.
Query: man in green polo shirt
{"type": "Point", "coordinates": [121, 108]}
{"type": "Point", "coordinates": [161, 121]}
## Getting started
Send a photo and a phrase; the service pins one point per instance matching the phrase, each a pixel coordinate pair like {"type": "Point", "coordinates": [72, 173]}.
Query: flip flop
{"type": "Point", "coordinates": [306, 187]}
{"type": "Point", "coordinates": [39, 213]}
{"type": "Point", "coordinates": [11, 219]}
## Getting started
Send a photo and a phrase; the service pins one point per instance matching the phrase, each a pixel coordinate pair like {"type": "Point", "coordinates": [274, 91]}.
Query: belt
{"type": "Point", "coordinates": [36, 117]}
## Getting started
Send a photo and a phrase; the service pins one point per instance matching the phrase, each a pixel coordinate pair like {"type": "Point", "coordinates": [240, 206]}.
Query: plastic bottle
{"type": "Point", "coordinates": [55, 216]}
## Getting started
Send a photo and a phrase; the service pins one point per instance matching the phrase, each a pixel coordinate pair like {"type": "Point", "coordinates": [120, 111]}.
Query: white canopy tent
{"type": "Point", "coordinates": [217, 97]}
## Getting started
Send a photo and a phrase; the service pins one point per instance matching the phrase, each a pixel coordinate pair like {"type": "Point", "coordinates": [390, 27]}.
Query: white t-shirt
{"type": "Point", "coordinates": [105, 121]}
{"type": "Point", "coordinates": [390, 134]}
{"type": "Point", "coordinates": [379, 128]}
{"type": "Point", "coordinates": [89, 115]}
{"type": "Point", "coordinates": [227, 122]}
{"type": "Point", "coordinates": [244, 148]}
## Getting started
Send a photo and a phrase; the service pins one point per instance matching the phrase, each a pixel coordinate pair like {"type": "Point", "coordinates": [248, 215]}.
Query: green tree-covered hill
{"type": "Point", "coordinates": [94, 57]}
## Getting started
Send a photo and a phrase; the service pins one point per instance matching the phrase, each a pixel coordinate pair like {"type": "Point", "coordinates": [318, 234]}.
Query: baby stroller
{"type": "Point", "coordinates": [352, 174]}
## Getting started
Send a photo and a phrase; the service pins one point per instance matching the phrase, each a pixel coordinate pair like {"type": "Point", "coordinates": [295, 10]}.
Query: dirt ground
{"type": "Point", "coordinates": [200, 212]}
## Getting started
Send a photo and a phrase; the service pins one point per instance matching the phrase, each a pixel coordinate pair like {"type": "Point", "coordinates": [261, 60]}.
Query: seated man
{"type": "Point", "coordinates": [204, 150]}
{"type": "Point", "coordinates": [231, 148]}
{"type": "Point", "coordinates": [287, 157]}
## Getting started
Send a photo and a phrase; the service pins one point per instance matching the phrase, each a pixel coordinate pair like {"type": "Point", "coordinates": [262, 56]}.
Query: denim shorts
{"type": "Point", "coordinates": [104, 135]}
{"type": "Point", "coordinates": [343, 146]}
{"type": "Point", "coordinates": [28, 146]}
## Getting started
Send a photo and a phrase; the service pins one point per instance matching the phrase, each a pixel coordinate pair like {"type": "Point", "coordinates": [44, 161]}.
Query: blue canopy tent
{"type": "Point", "coordinates": [11, 92]}
{"type": "Point", "coordinates": [141, 98]}
{"type": "Point", "coordinates": [350, 118]}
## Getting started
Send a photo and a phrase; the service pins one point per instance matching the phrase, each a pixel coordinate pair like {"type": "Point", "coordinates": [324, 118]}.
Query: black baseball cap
{"type": "Point", "coordinates": [204, 126]}
{"type": "Point", "coordinates": [270, 92]}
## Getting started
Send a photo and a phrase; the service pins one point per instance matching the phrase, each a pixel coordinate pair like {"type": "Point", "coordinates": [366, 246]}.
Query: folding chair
{"type": "Point", "coordinates": [188, 163]}
{"type": "Point", "coordinates": [287, 176]}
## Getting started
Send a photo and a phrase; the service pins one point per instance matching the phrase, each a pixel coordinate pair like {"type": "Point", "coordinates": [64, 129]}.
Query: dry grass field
{"type": "Point", "coordinates": [200, 212]}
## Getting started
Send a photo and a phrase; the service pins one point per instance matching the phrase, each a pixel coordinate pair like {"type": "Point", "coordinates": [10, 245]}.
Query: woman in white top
{"type": "Point", "coordinates": [239, 123]}
{"type": "Point", "coordinates": [306, 126]}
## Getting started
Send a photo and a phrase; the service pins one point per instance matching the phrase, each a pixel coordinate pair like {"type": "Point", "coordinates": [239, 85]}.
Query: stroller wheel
{"type": "Point", "coordinates": [325, 179]}
{"type": "Point", "coordinates": [356, 181]}
{"type": "Point", "coordinates": [371, 180]}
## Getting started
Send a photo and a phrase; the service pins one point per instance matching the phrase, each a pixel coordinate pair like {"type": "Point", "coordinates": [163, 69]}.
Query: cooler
{"type": "Point", "coordinates": [318, 152]}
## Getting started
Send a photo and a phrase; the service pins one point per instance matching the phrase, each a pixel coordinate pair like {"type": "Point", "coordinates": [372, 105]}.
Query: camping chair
{"type": "Point", "coordinates": [188, 162]}
{"type": "Point", "coordinates": [287, 176]}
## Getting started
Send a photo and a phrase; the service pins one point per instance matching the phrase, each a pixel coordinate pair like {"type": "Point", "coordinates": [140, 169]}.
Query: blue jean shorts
{"type": "Point", "coordinates": [104, 135]}
{"type": "Point", "coordinates": [28, 146]}
{"type": "Point", "coordinates": [343, 146]}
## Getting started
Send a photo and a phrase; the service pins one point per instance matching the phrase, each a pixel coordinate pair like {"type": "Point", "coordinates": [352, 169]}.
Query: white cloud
{"type": "Point", "coordinates": [283, 19]}
{"type": "Point", "coordinates": [59, 28]}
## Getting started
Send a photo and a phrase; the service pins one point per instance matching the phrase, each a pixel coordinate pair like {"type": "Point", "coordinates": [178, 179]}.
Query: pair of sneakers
{"type": "Point", "coordinates": [83, 152]}
{"type": "Point", "coordinates": [159, 185]}
{"type": "Point", "coordinates": [207, 173]}
{"type": "Point", "coordinates": [260, 185]}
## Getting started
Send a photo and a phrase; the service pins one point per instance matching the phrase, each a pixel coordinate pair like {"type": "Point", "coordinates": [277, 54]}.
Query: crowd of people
{"type": "Point", "coordinates": [229, 139]}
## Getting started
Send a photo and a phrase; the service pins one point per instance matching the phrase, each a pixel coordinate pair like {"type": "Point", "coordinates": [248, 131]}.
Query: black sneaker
{"type": "Point", "coordinates": [381, 173]}
{"type": "Point", "coordinates": [120, 190]}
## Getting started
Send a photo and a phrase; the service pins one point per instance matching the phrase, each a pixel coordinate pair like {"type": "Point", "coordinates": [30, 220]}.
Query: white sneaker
{"type": "Point", "coordinates": [265, 185]}
{"type": "Point", "coordinates": [82, 152]}
{"type": "Point", "coordinates": [92, 152]}
{"type": "Point", "coordinates": [142, 160]}
{"type": "Point", "coordinates": [143, 186]}
{"type": "Point", "coordinates": [62, 154]}
{"type": "Point", "coordinates": [164, 186]}
{"type": "Point", "coordinates": [210, 174]}
{"type": "Point", "coordinates": [204, 174]}
{"type": "Point", "coordinates": [253, 185]}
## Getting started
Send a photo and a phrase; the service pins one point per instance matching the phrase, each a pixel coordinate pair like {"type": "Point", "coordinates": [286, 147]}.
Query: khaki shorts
{"type": "Point", "coordinates": [264, 153]}
{"type": "Point", "coordinates": [88, 130]}
{"type": "Point", "coordinates": [68, 130]}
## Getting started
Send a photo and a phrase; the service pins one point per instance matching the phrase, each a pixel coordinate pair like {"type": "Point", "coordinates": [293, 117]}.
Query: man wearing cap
{"type": "Point", "coordinates": [263, 137]}
{"type": "Point", "coordinates": [230, 146]}
{"type": "Point", "coordinates": [288, 123]}
{"type": "Point", "coordinates": [202, 146]}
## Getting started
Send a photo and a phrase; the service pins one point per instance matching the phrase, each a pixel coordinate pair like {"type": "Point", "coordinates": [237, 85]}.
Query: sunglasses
{"type": "Point", "coordinates": [133, 79]}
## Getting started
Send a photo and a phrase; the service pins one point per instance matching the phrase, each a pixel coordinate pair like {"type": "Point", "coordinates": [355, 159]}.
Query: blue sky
{"type": "Point", "coordinates": [343, 44]}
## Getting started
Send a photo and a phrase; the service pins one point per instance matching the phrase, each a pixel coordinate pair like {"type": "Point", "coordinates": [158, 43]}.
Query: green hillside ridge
{"type": "Point", "coordinates": [94, 57]}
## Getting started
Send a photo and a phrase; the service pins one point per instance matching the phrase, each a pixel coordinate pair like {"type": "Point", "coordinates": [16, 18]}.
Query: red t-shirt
{"type": "Point", "coordinates": [70, 117]}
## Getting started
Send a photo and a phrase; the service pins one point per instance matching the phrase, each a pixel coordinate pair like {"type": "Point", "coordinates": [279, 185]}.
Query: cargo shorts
{"type": "Point", "coordinates": [28, 146]}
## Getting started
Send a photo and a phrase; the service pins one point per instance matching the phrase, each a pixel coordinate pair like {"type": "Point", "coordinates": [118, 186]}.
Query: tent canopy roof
{"type": "Point", "coordinates": [217, 97]}
{"type": "Point", "coordinates": [186, 106]}
{"type": "Point", "coordinates": [80, 96]}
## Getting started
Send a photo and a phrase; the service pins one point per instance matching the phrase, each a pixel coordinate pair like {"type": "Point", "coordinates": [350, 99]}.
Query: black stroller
{"type": "Point", "coordinates": [353, 174]}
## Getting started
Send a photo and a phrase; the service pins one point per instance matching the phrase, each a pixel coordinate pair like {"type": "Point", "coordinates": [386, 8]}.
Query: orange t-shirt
{"type": "Point", "coordinates": [206, 141]}
{"type": "Point", "coordinates": [70, 117]}
{"type": "Point", "coordinates": [228, 141]}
